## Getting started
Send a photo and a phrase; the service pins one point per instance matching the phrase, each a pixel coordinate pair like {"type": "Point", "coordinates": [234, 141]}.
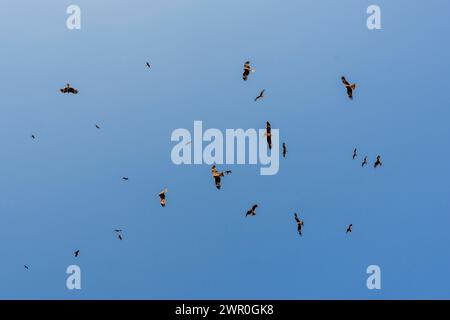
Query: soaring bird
{"type": "Point", "coordinates": [26, 267]}
{"type": "Point", "coordinates": [247, 70]}
{"type": "Point", "coordinates": [364, 162]}
{"type": "Point", "coordinates": [251, 211]}
{"type": "Point", "coordinates": [76, 253]}
{"type": "Point", "coordinates": [349, 87]}
{"type": "Point", "coordinates": [119, 233]}
{"type": "Point", "coordinates": [261, 95]}
{"type": "Point", "coordinates": [148, 65]}
{"type": "Point", "coordinates": [228, 172]}
{"type": "Point", "coordinates": [284, 150]}
{"type": "Point", "coordinates": [269, 134]}
{"type": "Point", "coordinates": [299, 224]}
{"type": "Point", "coordinates": [162, 197]}
{"type": "Point", "coordinates": [354, 153]}
{"type": "Point", "coordinates": [217, 176]}
{"type": "Point", "coordinates": [97, 126]}
{"type": "Point", "coordinates": [33, 136]}
{"type": "Point", "coordinates": [349, 228]}
{"type": "Point", "coordinates": [125, 178]}
{"type": "Point", "coordinates": [377, 162]}
{"type": "Point", "coordinates": [68, 89]}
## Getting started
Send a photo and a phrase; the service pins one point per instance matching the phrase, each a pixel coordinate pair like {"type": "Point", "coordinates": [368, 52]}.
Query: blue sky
{"type": "Point", "coordinates": [64, 191]}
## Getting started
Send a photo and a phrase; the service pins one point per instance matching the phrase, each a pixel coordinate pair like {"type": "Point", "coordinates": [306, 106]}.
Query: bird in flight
{"type": "Point", "coordinates": [269, 134]}
{"type": "Point", "coordinates": [76, 253]}
{"type": "Point", "coordinates": [354, 153]}
{"type": "Point", "coordinates": [125, 178]}
{"type": "Point", "coordinates": [147, 65]}
{"type": "Point", "coordinates": [378, 162]}
{"type": "Point", "coordinates": [119, 233]}
{"type": "Point", "coordinates": [247, 70]}
{"type": "Point", "coordinates": [218, 175]}
{"type": "Point", "coordinates": [261, 95]}
{"type": "Point", "coordinates": [349, 87]}
{"type": "Point", "coordinates": [251, 211]}
{"type": "Point", "coordinates": [26, 267]}
{"type": "Point", "coordinates": [162, 197]}
{"type": "Point", "coordinates": [284, 150]}
{"type": "Point", "coordinates": [299, 224]}
{"type": "Point", "coordinates": [349, 228]}
{"type": "Point", "coordinates": [68, 89]}
{"type": "Point", "coordinates": [364, 162]}
{"type": "Point", "coordinates": [33, 136]}
{"type": "Point", "coordinates": [97, 126]}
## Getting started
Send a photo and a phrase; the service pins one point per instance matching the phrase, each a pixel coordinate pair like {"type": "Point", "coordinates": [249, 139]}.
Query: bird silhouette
{"type": "Point", "coordinates": [119, 233]}
{"type": "Point", "coordinates": [251, 211]}
{"type": "Point", "coordinates": [76, 253]}
{"type": "Point", "coordinates": [148, 65]}
{"type": "Point", "coordinates": [284, 150]}
{"type": "Point", "coordinates": [68, 89]}
{"type": "Point", "coordinates": [269, 134]}
{"type": "Point", "coordinates": [364, 162]}
{"type": "Point", "coordinates": [162, 197]}
{"type": "Point", "coordinates": [247, 70]}
{"type": "Point", "coordinates": [26, 267]}
{"type": "Point", "coordinates": [33, 136]}
{"type": "Point", "coordinates": [354, 153]}
{"type": "Point", "coordinates": [125, 178]}
{"type": "Point", "coordinates": [349, 228]}
{"type": "Point", "coordinates": [299, 224]}
{"type": "Point", "coordinates": [377, 162]}
{"type": "Point", "coordinates": [349, 87]}
{"type": "Point", "coordinates": [119, 237]}
{"type": "Point", "coordinates": [97, 126]}
{"type": "Point", "coordinates": [261, 95]}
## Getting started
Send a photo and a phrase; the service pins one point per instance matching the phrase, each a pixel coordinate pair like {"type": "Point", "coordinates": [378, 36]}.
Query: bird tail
{"type": "Point", "coordinates": [353, 86]}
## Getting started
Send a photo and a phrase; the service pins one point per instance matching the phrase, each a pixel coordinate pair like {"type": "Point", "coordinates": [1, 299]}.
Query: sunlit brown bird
{"type": "Point", "coordinates": [284, 150]}
{"type": "Point", "coordinates": [68, 89]}
{"type": "Point", "coordinates": [364, 162]}
{"type": "Point", "coordinates": [299, 224]}
{"type": "Point", "coordinates": [377, 162]}
{"type": "Point", "coordinates": [162, 197]}
{"type": "Point", "coordinates": [349, 87]}
{"type": "Point", "coordinates": [261, 95]}
{"type": "Point", "coordinates": [76, 253]}
{"type": "Point", "coordinates": [247, 70]}
{"type": "Point", "coordinates": [218, 175]}
{"type": "Point", "coordinates": [269, 134]}
{"type": "Point", "coordinates": [251, 211]}
{"type": "Point", "coordinates": [354, 153]}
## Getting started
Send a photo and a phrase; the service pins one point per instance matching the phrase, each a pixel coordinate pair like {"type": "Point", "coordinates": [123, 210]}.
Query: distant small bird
{"type": "Point", "coordinates": [68, 89]}
{"type": "Point", "coordinates": [378, 162]}
{"type": "Point", "coordinates": [354, 153]}
{"type": "Point", "coordinates": [26, 267]}
{"type": "Point", "coordinates": [247, 70]}
{"type": "Point", "coordinates": [349, 87]}
{"type": "Point", "coordinates": [284, 150]}
{"type": "Point", "coordinates": [251, 211]}
{"type": "Point", "coordinates": [125, 178]}
{"type": "Point", "coordinates": [269, 134]}
{"type": "Point", "coordinates": [97, 126]}
{"type": "Point", "coordinates": [364, 162]}
{"type": "Point", "coordinates": [76, 253]}
{"type": "Point", "coordinates": [299, 224]}
{"type": "Point", "coordinates": [349, 228]}
{"type": "Point", "coordinates": [261, 95]}
{"type": "Point", "coordinates": [33, 136]}
{"type": "Point", "coordinates": [162, 197]}
{"type": "Point", "coordinates": [119, 233]}
{"type": "Point", "coordinates": [228, 172]}
{"type": "Point", "coordinates": [217, 176]}
{"type": "Point", "coordinates": [148, 65]}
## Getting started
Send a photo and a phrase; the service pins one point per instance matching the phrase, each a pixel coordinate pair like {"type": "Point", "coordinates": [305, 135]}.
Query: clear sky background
{"type": "Point", "coordinates": [63, 191]}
